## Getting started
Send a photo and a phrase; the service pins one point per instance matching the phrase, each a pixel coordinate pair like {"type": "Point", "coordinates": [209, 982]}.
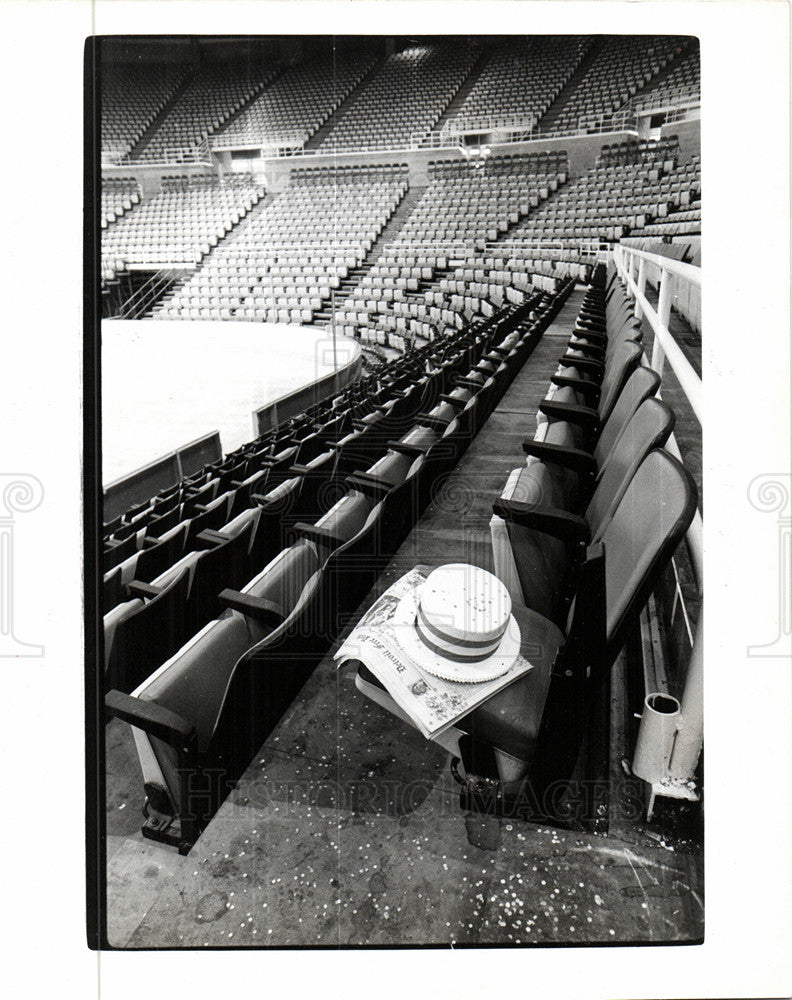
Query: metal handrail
{"type": "Point", "coordinates": [140, 300]}
{"type": "Point", "coordinates": [199, 155]}
{"type": "Point", "coordinates": [669, 100]}
{"type": "Point", "coordinates": [665, 346]}
{"type": "Point", "coordinates": [475, 123]}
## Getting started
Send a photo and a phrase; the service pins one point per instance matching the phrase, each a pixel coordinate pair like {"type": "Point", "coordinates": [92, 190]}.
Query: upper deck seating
{"type": "Point", "coordinates": [132, 96]}
{"type": "Point", "coordinates": [297, 103]}
{"type": "Point", "coordinates": [623, 66]}
{"type": "Point", "coordinates": [211, 97]}
{"type": "Point", "coordinates": [405, 97]}
{"type": "Point", "coordinates": [682, 84]}
{"type": "Point", "coordinates": [521, 79]}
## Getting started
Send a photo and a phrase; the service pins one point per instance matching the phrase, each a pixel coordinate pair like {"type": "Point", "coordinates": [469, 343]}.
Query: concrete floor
{"type": "Point", "coordinates": [346, 828]}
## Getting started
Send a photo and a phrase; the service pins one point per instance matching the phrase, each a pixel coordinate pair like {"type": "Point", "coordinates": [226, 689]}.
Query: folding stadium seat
{"type": "Point", "coordinates": [525, 560]}
{"type": "Point", "coordinates": [536, 726]}
{"type": "Point", "coordinates": [138, 633]}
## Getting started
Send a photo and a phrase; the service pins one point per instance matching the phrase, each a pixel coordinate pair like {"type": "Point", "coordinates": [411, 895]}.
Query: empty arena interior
{"type": "Point", "coordinates": [494, 245]}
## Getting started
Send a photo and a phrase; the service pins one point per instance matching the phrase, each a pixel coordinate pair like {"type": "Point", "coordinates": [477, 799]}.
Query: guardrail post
{"type": "Point", "coordinates": [690, 731]}
{"type": "Point", "coordinates": [641, 288]}
{"type": "Point", "coordinates": [663, 316]}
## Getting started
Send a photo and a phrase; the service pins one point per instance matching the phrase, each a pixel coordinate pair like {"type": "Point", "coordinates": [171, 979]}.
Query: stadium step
{"type": "Point", "coordinates": [548, 119]}
{"type": "Point", "coordinates": [325, 129]}
{"type": "Point", "coordinates": [228, 240]}
{"type": "Point", "coordinates": [467, 85]}
{"type": "Point", "coordinates": [387, 236]}
{"type": "Point", "coordinates": [660, 78]}
{"type": "Point", "coordinates": [259, 90]}
{"type": "Point", "coordinates": [146, 136]}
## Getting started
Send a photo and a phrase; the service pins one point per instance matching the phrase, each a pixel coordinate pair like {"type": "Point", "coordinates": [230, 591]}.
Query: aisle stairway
{"type": "Point", "coordinates": [388, 235]}
{"type": "Point", "coordinates": [144, 138]}
{"type": "Point", "coordinates": [549, 118]}
{"type": "Point", "coordinates": [223, 244]}
{"type": "Point", "coordinates": [467, 85]}
{"type": "Point", "coordinates": [325, 129]}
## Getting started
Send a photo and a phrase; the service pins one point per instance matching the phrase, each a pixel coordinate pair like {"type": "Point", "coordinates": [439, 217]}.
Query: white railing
{"type": "Point", "coordinates": [618, 122]}
{"type": "Point", "coordinates": [668, 100]}
{"type": "Point", "coordinates": [486, 123]}
{"type": "Point", "coordinates": [632, 265]}
{"type": "Point", "coordinates": [171, 156]}
{"type": "Point", "coordinates": [268, 143]}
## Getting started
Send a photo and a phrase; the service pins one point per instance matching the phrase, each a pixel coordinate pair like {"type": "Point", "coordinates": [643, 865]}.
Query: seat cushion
{"type": "Point", "coordinates": [510, 720]}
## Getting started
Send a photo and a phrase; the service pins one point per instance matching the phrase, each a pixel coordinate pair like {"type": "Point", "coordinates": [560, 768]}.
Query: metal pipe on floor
{"type": "Point", "coordinates": [656, 737]}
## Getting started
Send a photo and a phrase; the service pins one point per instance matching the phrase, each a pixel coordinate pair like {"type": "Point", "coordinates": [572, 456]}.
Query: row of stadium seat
{"type": "Point", "coordinates": [522, 78]}
{"type": "Point", "coordinates": [132, 97]}
{"type": "Point", "coordinates": [622, 66]}
{"type": "Point", "coordinates": [207, 709]}
{"type": "Point", "coordinates": [210, 98]}
{"type": "Point", "coordinates": [165, 545]}
{"type": "Point", "coordinates": [177, 225]}
{"type": "Point", "coordinates": [580, 535]}
{"type": "Point", "coordinates": [347, 217]}
{"type": "Point", "coordinates": [406, 95]}
{"type": "Point", "coordinates": [682, 83]}
{"type": "Point", "coordinates": [298, 102]}
{"type": "Point", "coordinates": [519, 79]}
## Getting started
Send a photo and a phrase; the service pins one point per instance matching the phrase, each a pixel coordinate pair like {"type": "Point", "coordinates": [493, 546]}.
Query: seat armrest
{"type": "Point", "coordinates": [583, 416]}
{"type": "Point", "coordinates": [557, 523]}
{"type": "Point", "coordinates": [588, 389]}
{"type": "Point", "coordinates": [321, 536]}
{"type": "Point", "coordinates": [137, 588]}
{"type": "Point", "coordinates": [467, 383]}
{"type": "Point", "coordinates": [161, 723]}
{"type": "Point", "coordinates": [262, 610]}
{"type": "Point", "coordinates": [454, 401]}
{"type": "Point", "coordinates": [557, 454]}
{"type": "Point", "coordinates": [371, 486]}
{"type": "Point", "coordinates": [596, 351]}
{"type": "Point", "coordinates": [410, 450]}
{"type": "Point", "coordinates": [433, 423]}
{"type": "Point", "coordinates": [583, 364]}
{"type": "Point", "coordinates": [212, 538]}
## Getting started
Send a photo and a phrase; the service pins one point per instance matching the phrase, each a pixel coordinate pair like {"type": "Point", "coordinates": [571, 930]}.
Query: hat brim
{"type": "Point", "coordinates": [495, 665]}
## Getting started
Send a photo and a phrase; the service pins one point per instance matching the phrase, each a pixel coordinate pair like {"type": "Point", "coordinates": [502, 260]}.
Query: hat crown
{"type": "Point", "coordinates": [465, 604]}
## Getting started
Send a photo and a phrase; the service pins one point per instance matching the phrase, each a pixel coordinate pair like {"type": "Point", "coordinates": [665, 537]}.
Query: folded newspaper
{"type": "Point", "coordinates": [380, 641]}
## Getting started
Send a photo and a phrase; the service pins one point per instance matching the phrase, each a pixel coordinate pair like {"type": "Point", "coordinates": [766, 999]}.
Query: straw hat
{"type": "Point", "coordinates": [458, 625]}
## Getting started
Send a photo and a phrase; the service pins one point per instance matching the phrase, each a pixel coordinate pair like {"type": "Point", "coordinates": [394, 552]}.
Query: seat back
{"type": "Point", "coordinates": [648, 428]}
{"type": "Point", "coordinates": [542, 562]}
{"type": "Point", "coordinates": [642, 383]}
{"type": "Point", "coordinates": [654, 513]}
{"type": "Point", "coordinates": [144, 639]}
{"type": "Point", "coordinates": [623, 362]}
